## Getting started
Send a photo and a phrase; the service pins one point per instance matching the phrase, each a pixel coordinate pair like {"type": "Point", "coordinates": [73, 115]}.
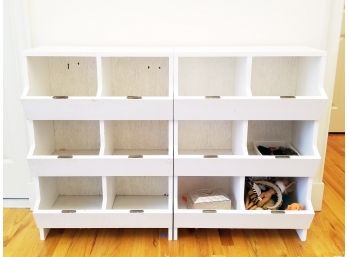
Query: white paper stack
{"type": "Point", "coordinates": [208, 200]}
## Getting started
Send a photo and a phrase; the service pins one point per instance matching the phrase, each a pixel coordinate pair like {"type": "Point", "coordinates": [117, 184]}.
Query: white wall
{"type": "Point", "coordinates": [16, 172]}
{"type": "Point", "coordinates": [190, 22]}
{"type": "Point", "coordinates": [179, 22]}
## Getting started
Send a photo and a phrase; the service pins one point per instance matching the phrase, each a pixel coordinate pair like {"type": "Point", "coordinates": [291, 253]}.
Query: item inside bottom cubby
{"type": "Point", "coordinates": [208, 199]}
{"type": "Point", "coordinates": [209, 193]}
{"type": "Point", "coordinates": [273, 193]}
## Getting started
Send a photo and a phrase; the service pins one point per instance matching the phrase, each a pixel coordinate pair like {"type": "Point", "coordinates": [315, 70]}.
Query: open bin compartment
{"type": "Point", "coordinates": [66, 138]}
{"type": "Point", "coordinates": [135, 147]}
{"type": "Point", "coordinates": [213, 76]}
{"type": "Point", "coordinates": [69, 202]}
{"type": "Point", "coordinates": [229, 186]}
{"type": "Point", "coordinates": [297, 135]}
{"type": "Point", "coordinates": [209, 138]}
{"type": "Point", "coordinates": [137, 138]}
{"type": "Point", "coordinates": [70, 193]}
{"type": "Point", "coordinates": [138, 193]}
{"type": "Point", "coordinates": [211, 147]}
{"type": "Point", "coordinates": [185, 217]}
{"type": "Point", "coordinates": [287, 190]}
{"type": "Point", "coordinates": [62, 76]}
{"type": "Point", "coordinates": [287, 76]}
{"type": "Point", "coordinates": [284, 219]}
{"type": "Point", "coordinates": [135, 76]}
{"type": "Point", "coordinates": [144, 202]}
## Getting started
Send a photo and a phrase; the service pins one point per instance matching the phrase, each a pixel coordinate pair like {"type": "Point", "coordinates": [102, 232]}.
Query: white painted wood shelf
{"type": "Point", "coordinates": [119, 136]}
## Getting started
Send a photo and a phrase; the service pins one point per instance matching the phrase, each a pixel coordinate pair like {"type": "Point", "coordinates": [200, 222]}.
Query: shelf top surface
{"type": "Point", "coordinates": [180, 51]}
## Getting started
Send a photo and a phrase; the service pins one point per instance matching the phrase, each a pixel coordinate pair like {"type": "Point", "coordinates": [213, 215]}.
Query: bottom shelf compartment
{"type": "Point", "coordinates": [104, 202]}
{"type": "Point", "coordinates": [69, 193]}
{"type": "Point", "coordinates": [238, 216]}
{"type": "Point", "coordinates": [138, 193]}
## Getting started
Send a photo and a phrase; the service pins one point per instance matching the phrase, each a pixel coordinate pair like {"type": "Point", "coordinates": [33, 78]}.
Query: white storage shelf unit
{"type": "Point", "coordinates": [62, 83]}
{"type": "Point", "coordinates": [252, 85]}
{"type": "Point", "coordinates": [103, 202]}
{"type": "Point", "coordinates": [238, 216]}
{"type": "Point", "coordinates": [101, 119]}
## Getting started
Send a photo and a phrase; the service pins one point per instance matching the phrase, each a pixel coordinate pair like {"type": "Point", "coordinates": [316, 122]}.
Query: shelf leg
{"type": "Point", "coordinates": [170, 234]}
{"type": "Point", "coordinates": [302, 234]}
{"type": "Point", "coordinates": [175, 233]}
{"type": "Point", "coordinates": [43, 233]}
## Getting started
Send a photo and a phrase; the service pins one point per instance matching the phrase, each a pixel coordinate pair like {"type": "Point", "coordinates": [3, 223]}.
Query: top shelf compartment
{"type": "Point", "coordinates": [250, 76]}
{"type": "Point", "coordinates": [135, 76]}
{"type": "Point", "coordinates": [213, 76]}
{"type": "Point", "coordinates": [62, 76]}
{"type": "Point", "coordinates": [286, 76]}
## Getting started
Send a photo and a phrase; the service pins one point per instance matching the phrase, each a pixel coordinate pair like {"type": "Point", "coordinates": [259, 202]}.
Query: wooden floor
{"type": "Point", "coordinates": [325, 238]}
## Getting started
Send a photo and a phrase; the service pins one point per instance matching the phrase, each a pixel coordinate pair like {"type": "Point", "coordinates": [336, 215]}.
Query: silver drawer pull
{"type": "Point", "coordinates": [282, 156]}
{"type": "Point", "coordinates": [209, 211]}
{"type": "Point", "coordinates": [64, 156]}
{"type": "Point", "coordinates": [60, 97]}
{"type": "Point", "coordinates": [136, 211]}
{"type": "Point", "coordinates": [211, 156]}
{"type": "Point", "coordinates": [287, 96]}
{"type": "Point", "coordinates": [135, 156]}
{"type": "Point", "coordinates": [68, 211]}
{"type": "Point", "coordinates": [133, 97]}
{"type": "Point", "coordinates": [278, 211]}
{"type": "Point", "coordinates": [213, 97]}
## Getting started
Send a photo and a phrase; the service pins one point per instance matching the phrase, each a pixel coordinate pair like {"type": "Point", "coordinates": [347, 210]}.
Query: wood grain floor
{"type": "Point", "coordinates": [325, 238]}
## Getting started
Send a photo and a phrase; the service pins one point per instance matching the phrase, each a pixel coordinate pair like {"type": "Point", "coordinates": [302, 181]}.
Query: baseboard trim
{"type": "Point", "coordinates": [16, 203]}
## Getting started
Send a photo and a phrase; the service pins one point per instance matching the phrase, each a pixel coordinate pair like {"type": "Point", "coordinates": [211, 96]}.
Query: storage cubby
{"type": "Point", "coordinates": [135, 76]}
{"type": "Point", "coordinates": [137, 138]}
{"type": "Point", "coordinates": [210, 137]}
{"type": "Point", "coordinates": [286, 76]}
{"type": "Point", "coordinates": [300, 135]}
{"type": "Point", "coordinates": [65, 138]}
{"type": "Point", "coordinates": [137, 193]}
{"type": "Point", "coordinates": [231, 186]}
{"type": "Point", "coordinates": [300, 193]}
{"type": "Point", "coordinates": [213, 76]}
{"type": "Point", "coordinates": [70, 193]}
{"type": "Point", "coordinates": [62, 76]}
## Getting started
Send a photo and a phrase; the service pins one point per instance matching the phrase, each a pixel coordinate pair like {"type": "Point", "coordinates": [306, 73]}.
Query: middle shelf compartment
{"type": "Point", "coordinates": [79, 148]}
{"type": "Point", "coordinates": [230, 148]}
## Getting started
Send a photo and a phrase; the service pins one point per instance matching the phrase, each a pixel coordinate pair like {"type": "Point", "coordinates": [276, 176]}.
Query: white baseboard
{"type": "Point", "coordinates": [16, 203]}
{"type": "Point", "coordinates": [317, 195]}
